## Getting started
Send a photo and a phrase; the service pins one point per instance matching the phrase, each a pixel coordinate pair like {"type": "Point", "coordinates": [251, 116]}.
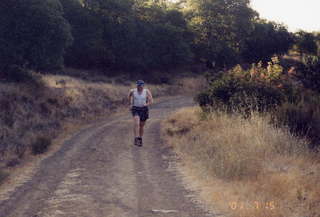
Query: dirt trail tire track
{"type": "Point", "coordinates": [99, 173]}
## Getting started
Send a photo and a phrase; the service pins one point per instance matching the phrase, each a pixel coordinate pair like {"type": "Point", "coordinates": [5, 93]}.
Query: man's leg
{"type": "Point", "coordinates": [141, 129]}
{"type": "Point", "coordinates": [143, 118]}
{"type": "Point", "coordinates": [136, 127]}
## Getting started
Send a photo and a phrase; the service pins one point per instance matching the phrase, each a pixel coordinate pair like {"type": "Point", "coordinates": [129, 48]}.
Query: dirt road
{"type": "Point", "coordinates": [99, 173]}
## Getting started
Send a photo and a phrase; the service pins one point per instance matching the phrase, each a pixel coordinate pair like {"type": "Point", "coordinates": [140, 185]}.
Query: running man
{"type": "Point", "coordinates": [140, 98]}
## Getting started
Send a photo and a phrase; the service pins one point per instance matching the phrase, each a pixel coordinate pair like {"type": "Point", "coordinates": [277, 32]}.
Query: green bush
{"type": "Point", "coordinates": [302, 119]}
{"type": "Point", "coordinates": [29, 79]}
{"type": "Point", "coordinates": [309, 72]}
{"type": "Point", "coordinates": [14, 73]}
{"type": "Point", "coordinates": [266, 90]}
{"type": "Point", "coordinates": [41, 145]}
{"type": "Point", "coordinates": [233, 94]}
{"type": "Point", "coordinates": [13, 162]}
{"type": "Point", "coordinates": [305, 42]}
{"type": "Point", "coordinates": [3, 176]}
{"type": "Point", "coordinates": [259, 88]}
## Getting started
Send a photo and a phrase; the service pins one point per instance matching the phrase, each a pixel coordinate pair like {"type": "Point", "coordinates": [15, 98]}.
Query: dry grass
{"type": "Point", "coordinates": [189, 85]}
{"type": "Point", "coordinates": [245, 167]}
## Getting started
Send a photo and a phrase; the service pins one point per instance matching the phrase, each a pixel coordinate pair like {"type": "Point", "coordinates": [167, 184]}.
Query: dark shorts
{"type": "Point", "coordinates": [142, 112]}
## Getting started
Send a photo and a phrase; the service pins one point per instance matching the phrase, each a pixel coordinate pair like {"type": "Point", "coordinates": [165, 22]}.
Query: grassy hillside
{"type": "Point", "coordinates": [245, 167]}
{"type": "Point", "coordinates": [34, 113]}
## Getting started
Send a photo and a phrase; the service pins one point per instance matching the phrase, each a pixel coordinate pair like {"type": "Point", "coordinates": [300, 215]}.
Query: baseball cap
{"type": "Point", "coordinates": [140, 82]}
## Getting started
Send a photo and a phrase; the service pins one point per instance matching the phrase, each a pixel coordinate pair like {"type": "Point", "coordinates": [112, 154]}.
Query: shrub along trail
{"type": "Point", "coordinates": [99, 173]}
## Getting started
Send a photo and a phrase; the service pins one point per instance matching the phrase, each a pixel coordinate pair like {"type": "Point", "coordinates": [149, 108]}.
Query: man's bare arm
{"type": "Point", "coordinates": [130, 97]}
{"type": "Point", "coordinates": [149, 97]}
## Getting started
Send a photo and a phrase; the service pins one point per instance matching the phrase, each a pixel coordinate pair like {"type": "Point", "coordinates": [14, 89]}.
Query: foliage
{"type": "Point", "coordinates": [33, 34]}
{"type": "Point", "coordinates": [87, 49]}
{"type": "Point", "coordinates": [221, 28]}
{"type": "Point", "coordinates": [302, 118]}
{"type": "Point", "coordinates": [309, 72]}
{"type": "Point", "coordinates": [266, 40]}
{"type": "Point", "coordinates": [306, 43]}
{"type": "Point", "coordinates": [41, 145]}
{"type": "Point", "coordinates": [269, 89]}
{"type": "Point", "coordinates": [3, 176]}
{"type": "Point", "coordinates": [126, 36]}
{"type": "Point", "coordinates": [259, 88]}
{"type": "Point", "coordinates": [134, 36]}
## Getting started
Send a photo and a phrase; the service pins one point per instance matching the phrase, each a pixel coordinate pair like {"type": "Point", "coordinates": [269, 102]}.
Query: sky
{"type": "Point", "coordinates": [295, 14]}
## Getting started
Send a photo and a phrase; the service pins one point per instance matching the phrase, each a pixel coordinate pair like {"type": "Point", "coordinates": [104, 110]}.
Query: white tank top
{"type": "Point", "coordinates": [139, 100]}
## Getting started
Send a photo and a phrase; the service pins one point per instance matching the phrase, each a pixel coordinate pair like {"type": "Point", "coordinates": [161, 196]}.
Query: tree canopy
{"type": "Point", "coordinates": [33, 34]}
{"type": "Point", "coordinates": [136, 35]}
